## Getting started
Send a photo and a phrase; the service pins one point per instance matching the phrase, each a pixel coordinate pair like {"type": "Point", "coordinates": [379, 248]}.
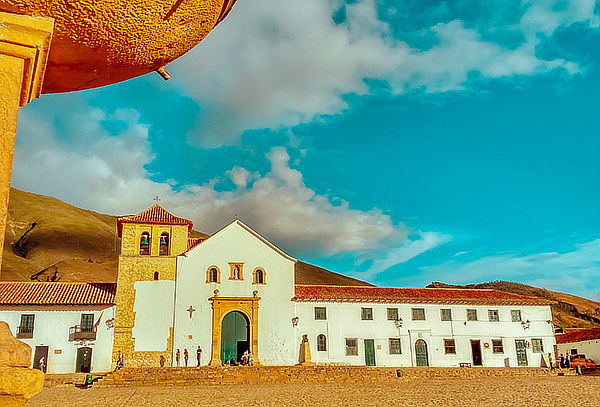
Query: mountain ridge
{"type": "Point", "coordinates": [47, 239]}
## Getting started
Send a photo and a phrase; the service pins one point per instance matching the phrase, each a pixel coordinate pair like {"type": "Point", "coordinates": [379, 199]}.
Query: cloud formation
{"type": "Point", "coordinates": [574, 271]}
{"type": "Point", "coordinates": [275, 64]}
{"type": "Point", "coordinates": [104, 171]}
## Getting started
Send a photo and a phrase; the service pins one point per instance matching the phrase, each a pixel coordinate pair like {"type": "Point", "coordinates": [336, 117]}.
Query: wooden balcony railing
{"type": "Point", "coordinates": [25, 332]}
{"type": "Point", "coordinates": [82, 333]}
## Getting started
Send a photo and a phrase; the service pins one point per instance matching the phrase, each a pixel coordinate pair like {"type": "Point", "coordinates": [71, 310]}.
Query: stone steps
{"type": "Point", "coordinates": [200, 376]}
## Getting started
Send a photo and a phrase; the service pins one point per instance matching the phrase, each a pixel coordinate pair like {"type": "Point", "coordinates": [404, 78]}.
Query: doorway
{"type": "Point", "coordinates": [521, 352]}
{"type": "Point", "coordinates": [421, 355]}
{"type": "Point", "coordinates": [84, 360]}
{"type": "Point", "coordinates": [41, 352]}
{"type": "Point", "coordinates": [370, 352]}
{"type": "Point", "coordinates": [235, 335]}
{"type": "Point", "coordinates": [476, 352]}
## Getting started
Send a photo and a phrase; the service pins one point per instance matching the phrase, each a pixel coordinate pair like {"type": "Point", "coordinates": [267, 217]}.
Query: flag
{"type": "Point", "coordinates": [97, 324]}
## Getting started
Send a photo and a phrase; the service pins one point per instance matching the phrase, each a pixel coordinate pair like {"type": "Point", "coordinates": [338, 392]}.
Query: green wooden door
{"type": "Point", "coordinates": [234, 332]}
{"type": "Point", "coordinates": [421, 353]}
{"type": "Point", "coordinates": [370, 352]}
{"type": "Point", "coordinates": [521, 352]}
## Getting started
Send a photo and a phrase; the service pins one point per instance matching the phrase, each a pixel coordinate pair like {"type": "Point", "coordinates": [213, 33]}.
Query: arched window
{"type": "Point", "coordinates": [164, 244]}
{"type": "Point", "coordinates": [213, 275]}
{"type": "Point", "coordinates": [259, 276]}
{"type": "Point", "coordinates": [321, 343]}
{"type": "Point", "coordinates": [155, 275]}
{"type": "Point", "coordinates": [145, 243]}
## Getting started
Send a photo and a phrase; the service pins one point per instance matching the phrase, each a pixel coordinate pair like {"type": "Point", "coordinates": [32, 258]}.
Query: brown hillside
{"type": "Point", "coordinates": [570, 311]}
{"type": "Point", "coordinates": [50, 240]}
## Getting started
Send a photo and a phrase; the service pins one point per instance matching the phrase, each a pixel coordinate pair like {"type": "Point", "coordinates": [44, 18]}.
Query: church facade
{"type": "Point", "coordinates": [236, 292]}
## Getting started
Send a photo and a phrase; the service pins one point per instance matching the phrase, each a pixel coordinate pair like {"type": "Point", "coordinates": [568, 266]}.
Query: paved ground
{"type": "Point", "coordinates": [505, 392]}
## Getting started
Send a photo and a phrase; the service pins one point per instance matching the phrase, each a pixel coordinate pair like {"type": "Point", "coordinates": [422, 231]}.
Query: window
{"type": "Point", "coordinates": [351, 347]}
{"type": "Point", "coordinates": [213, 275]}
{"type": "Point", "coordinates": [145, 244]}
{"type": "Point", "coordinates": [259, 276]}
{"type": "Point", "coordinates": [497, 346]}
{"type": "Point", "coordinates": [418, 314]}
{"type": "Point", "coordinates": [164, 244]}
{"type": "Point", "coordinates": [236, 271]}
{"type": "Point", "coordinates": [449, 347]}
{"type": "Point", "coordinates": [574, 351]}
{"type": "Point", "coordinates": [395, 346]}
{"type": "Point", "coordinates": [392, 314]}
{"type": "Point", "coordinates": [155, 275]}
{"type": "Point", "coordinates": [25, 330]}
{"type": "Point", "coordinates": [87, 322]}
{"type": "Point", "coordinates": [493, 315]}
{"type": "Point", "coordinates": [515, 315]}
{"type": "Point", "coordinates": [321, 343]}
{"type": "Point", "coordinates": [446, 314]}
{"type": "Point", "coordinates": [366, 314]}
{"type": "Point", "coordinates": [471, 315]}
{"type": "Point", "coordinates": [320, 313]}
{"type": "Point", "coordinates": [537, 345]}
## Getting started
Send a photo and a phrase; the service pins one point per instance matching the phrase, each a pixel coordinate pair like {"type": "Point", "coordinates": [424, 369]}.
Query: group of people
{"type": "Point", "coordinates": [246, 360]}
{"type": "Point", "coordinates": [564, 361]}
{"type": "Point", "coordinates": [186, 356]}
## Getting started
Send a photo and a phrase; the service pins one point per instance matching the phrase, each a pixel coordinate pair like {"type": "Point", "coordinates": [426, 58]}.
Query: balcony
{"type": "Point", "coordinates": [82, 333]}
{"type": "Point", "coordinates": [24, 332]}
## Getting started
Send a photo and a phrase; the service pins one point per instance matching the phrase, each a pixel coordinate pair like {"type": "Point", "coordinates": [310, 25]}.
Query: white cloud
{"type": "Point", "coordinates": [275, 64]}
{"type": "Point", "coordinates": [574, 271]}
{"type": "Point", "coordinates": [105, 172]}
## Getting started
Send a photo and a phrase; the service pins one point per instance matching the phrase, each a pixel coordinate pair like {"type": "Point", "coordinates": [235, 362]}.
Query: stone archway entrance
{"type": "Point", "coordinates": [235, 336]}
{"type": "Point", "coordinates": [234, 327]}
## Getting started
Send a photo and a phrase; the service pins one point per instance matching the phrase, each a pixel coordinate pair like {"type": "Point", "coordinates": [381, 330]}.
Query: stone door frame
{"type": "Point", "coordinates": [222, 306]}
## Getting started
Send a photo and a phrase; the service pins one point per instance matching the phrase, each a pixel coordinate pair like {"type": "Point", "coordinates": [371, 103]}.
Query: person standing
{"type": "Point", "coordinates": [199, 355]}
{"type": "Point", "coordinates": [42, 364]}
{"type": "Point", "coordinates": [120, 361]}
{"type": "Point", "coordinates": [162, 360]}
{"type": "Point", "coordinates": [177, 357]}
{"type": "Point", "coordinates": [186, 356]}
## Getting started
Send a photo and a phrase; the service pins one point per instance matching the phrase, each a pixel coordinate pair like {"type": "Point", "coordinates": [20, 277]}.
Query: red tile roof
{"type": "Point", "coordinates": [328, 293]}
{"type": "Point", "coordinates": [578, 335]}
{"type": "Point", "coordinates": [29, 293]}
{"type": "Point", "coordinates": [155, 215]}
{"type": "Point", "coordinates": [194, 241]}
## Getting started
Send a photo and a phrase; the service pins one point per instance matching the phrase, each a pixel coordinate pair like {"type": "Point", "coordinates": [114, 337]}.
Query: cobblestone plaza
{"type": "Point", "coordinates": [502, 391]}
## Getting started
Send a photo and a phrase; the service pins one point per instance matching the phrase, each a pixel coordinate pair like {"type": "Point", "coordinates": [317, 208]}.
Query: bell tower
{"type": "Point", "coordinates": [150, 244]}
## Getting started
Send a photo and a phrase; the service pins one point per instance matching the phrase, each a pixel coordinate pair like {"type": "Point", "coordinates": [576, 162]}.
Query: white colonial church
{"type": "Point", "coordinates": [235, 292]}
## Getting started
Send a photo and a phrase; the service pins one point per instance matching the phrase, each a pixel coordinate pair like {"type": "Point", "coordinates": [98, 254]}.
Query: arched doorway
{"type": "Point", "coordinates": [235, 335]}
{"type": "Point", "coordinates": [421, 353]}
{"type": "Point", "coordinates": [84, 360]}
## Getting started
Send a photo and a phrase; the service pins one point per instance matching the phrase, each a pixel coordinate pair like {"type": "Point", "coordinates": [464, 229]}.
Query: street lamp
{"type": "Point", "coordinates": [398, 323]}
{"type": "Point", "coordinates": [295, 321]}
{"type": "Point", "coordinates": [526, 324]}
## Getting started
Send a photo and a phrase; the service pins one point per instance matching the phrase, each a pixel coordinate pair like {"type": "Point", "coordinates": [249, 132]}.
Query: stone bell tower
{"type": "Point", "coordinates": [150, 244]}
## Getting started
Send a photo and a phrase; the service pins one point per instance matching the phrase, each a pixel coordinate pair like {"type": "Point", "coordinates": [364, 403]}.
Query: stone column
{"type": "Point", "coordinates": [24, 47]}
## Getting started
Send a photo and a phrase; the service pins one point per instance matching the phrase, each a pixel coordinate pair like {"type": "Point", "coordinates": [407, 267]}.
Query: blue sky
{"type": "Point", "coordinates": [401, 143]}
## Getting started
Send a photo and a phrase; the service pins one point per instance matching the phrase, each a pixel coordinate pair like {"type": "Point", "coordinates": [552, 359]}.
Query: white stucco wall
{"type": "Point", "coordinates": [51, 328]}
{"type": "Point", "coordinates": [591, 349]}
{"type": "Point", "coordinates": [344, 321]}
{"type": "Point", "coordinates": [153, 309]}
{"type": "Point", "coordinates": [235, 243]}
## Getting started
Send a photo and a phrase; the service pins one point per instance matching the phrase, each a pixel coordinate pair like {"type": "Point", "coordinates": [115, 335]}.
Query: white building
{"type": "Point", "coordinates": [64, 323]}
{"type": "Point", "coordinates": [235, 292]}
{"type": "Point", "coordinates": [580, 341]}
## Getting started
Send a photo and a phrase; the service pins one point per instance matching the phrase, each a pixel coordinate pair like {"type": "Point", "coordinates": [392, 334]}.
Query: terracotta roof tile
{"type": "Point", "coordinates": [194, 241]}
{"type": "Point", "coordinates": [578, 335]}
{"type": "Point", "coordinates": [328, 293]}
{"type": "Point", "coordinates": [155, 215]}
{"type": "Point", "coordinates": [29, 293]}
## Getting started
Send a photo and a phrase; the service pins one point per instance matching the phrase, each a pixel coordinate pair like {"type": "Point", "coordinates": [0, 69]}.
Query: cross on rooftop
{"type": "Point", "coordinates": [156, 199]}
